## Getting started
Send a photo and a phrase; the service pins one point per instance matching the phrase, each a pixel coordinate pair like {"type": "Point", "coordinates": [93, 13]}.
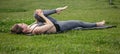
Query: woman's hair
{"type": "Point", "coordinates": [16, 29]}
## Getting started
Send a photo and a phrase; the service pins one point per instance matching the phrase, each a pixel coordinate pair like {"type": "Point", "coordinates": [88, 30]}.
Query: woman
{"type": "Point", "coordinates": [46, 24]}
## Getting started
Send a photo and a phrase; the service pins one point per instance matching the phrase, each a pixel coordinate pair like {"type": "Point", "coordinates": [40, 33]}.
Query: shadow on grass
{"type": "Point", "coordinates": [12, 10]}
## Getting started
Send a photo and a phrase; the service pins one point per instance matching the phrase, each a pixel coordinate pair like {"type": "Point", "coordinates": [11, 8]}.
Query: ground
{"type": "Point", "coordinates": [104, 41]}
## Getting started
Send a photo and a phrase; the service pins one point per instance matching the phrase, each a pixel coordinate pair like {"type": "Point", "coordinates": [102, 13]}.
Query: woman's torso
{"type": "Point", "coordinates": [35, 27]}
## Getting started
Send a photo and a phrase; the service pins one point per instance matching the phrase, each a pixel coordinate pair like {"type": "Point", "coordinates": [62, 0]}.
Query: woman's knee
{"type": "Point", "coordinates": [38, 11]}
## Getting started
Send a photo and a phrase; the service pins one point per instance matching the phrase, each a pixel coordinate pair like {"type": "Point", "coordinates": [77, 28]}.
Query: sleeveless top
{"type": "Point", "coordinates": [34, 25]}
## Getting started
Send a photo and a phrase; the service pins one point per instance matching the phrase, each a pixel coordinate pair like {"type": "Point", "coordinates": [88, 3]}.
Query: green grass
{"type": "Point", "coordinates": [105, 41]}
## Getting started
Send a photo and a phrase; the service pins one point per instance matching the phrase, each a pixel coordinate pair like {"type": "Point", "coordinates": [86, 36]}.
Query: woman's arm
{"type": "Point", "coordinates": [40, 13]}
{"type": "Point", "coordinates": [48, 24]}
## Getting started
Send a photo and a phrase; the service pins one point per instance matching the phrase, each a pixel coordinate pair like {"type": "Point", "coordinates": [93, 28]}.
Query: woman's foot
{"type": "Point", "coordinates": [102, 23]}
{"type": "Point", "coordinates": [58, 10]}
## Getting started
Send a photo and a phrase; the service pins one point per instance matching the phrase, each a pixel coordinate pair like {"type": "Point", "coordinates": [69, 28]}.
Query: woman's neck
{"type": "Point", "coordinates": [27, 30]}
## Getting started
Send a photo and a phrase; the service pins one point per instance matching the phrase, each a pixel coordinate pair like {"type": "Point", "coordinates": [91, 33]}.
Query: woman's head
{"type": "Point", "coordinates": [19, 28]}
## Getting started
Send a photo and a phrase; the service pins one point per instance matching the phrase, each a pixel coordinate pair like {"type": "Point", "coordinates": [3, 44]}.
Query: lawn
{"type": "Point", "coordinates": [104, 41]}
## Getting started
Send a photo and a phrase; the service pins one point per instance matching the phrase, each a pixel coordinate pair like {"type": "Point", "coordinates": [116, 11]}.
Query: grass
{"type": "Point", "coordinates": [105, 41]}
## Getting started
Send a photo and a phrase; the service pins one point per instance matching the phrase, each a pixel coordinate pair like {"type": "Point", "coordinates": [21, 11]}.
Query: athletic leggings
{"type": "Point", "coordinates": [65, 25]}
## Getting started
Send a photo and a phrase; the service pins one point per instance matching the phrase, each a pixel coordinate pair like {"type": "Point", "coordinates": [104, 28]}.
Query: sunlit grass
{"type": "Point", "coordinates": [106, 41]}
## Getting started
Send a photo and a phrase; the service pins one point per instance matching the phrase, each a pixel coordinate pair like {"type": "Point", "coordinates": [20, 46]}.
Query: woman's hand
{"type": "Point", "coordinates": [39, 12]}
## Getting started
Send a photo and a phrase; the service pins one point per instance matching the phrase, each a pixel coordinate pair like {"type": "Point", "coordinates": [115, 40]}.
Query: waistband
{"type": "Point", "coordinates": [57, 27]}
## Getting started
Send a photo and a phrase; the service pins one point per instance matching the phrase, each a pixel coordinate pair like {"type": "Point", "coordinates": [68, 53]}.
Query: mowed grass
{"type": "Point", "coordinates": [104, 41]}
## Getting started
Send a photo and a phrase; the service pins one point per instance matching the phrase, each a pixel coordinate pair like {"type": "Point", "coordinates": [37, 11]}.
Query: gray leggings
{"type": "Point", "coordinates": [65, 25]}
{"type": "Point", "coordinates": [73, 24]}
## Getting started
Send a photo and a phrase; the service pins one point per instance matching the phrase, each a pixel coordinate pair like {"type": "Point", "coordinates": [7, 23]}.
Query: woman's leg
{"type": "Point", "coordinates": [71, 24]}
{"type": "Point", "coordinates": [57, 10]}
{"type": "Point", "coordinates": [49, 12]}
{"type": "Point", "coordinates": [46, 13]}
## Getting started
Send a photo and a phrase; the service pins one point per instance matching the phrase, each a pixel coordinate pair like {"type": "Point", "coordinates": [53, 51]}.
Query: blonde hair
{"type": "Point", "coordinates": [16, 29]}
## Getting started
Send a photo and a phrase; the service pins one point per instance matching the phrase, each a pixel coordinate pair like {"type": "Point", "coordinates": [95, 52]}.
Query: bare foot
{"type": "Point", "coordinates": [58, 10]}
{"type": "Point", "coordinates": [102, 23]}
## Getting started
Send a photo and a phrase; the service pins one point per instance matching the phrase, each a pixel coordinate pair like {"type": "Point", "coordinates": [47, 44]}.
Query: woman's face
{"type": "Point", "coordinates": [24, 26]}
